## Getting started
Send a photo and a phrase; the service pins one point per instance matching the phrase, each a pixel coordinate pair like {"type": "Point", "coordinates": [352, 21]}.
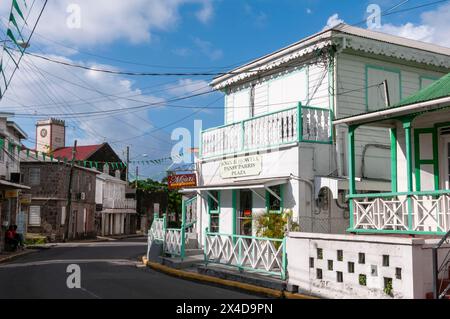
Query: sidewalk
{"type": "Point", "coordinates": [190, 274]}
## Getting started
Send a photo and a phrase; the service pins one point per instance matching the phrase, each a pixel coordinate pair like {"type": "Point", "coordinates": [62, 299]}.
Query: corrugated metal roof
{"type": "Point", "coordinates": [436, 90]}
{"type": "Point", "coordinates": [82, 153]}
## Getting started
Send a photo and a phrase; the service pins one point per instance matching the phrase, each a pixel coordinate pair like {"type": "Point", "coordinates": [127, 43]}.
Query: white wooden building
{"type": "Point", "coordinates": [301, 88]}
{"type": "Point", "coordinates": [116, 209]}
{"type": "Point", "coordinates": [278, 150]}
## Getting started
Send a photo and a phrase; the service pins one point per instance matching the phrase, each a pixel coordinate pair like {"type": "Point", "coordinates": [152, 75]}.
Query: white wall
{"type": "Point", "coordinates": [351, 76]}
{"type": "Point", "coordinates": [412, 255]}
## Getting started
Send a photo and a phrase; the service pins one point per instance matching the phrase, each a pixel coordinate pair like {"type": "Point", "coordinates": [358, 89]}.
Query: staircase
{"type": "Point", "coordinates": [441, 272]}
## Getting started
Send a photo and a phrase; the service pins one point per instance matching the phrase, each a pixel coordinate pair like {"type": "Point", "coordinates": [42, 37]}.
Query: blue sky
{"type": "Point", "coordinates": [171, 36]}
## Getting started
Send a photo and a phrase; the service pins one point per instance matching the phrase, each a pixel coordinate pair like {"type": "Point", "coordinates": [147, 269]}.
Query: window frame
{"type": "Point", "coordinates": [268, 194]}
{"type": "Point", "coordinates": [215, 213]}
{"type": "Point", "coordinates": [30, 176]}
{"type": "Point", "coordinates": [385, 69]}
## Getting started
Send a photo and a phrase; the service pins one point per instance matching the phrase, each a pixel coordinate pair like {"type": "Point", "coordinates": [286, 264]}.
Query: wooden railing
{"type": "Point", "coordinates": [265, 255]}
{"type": "Point", "coordinates": [414, 212]}
{"type": "Point", "coordinates": [268, 131]}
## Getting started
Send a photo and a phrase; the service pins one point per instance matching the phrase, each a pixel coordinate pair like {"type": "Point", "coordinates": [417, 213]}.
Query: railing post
{"type": "Point", "coordinates": [183, 230]}
{"type": "Point", "coordinates": [434, 253]}
{"type": "Point", "coordinates": [299, 122]}
{"type": "Point", "coordinates": [205, 256]}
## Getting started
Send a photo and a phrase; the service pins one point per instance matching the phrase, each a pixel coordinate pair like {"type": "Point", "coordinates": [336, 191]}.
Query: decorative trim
{"type": "Point", "coordinates": [397, 51]}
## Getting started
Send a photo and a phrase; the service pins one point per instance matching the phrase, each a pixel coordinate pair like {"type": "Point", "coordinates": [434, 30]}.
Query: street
{"type": "Point", "coordinates": [108, 270]}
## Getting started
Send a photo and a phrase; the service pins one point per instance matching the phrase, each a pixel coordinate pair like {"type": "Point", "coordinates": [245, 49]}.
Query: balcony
{"type": "Point", "coordinates": [110, 203]}
{"type": "Point", "coordinates": [268, 131]}
{"type": "Point", "coordinates": [409, 212]}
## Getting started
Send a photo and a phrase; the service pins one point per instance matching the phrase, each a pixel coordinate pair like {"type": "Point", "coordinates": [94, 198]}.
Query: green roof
{"type": "Point", "coordinates": [436, 90]}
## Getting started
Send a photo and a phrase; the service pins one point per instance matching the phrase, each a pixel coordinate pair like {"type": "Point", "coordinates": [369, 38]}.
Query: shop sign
{"type": "Point", "coordinates": [241, 166]}
{"type": "Point", "coordinates": [181, 180]}
{"type": "Point", "coordinates": [25, 199]}
{"type": "Point", "coordinates": [11, 194]}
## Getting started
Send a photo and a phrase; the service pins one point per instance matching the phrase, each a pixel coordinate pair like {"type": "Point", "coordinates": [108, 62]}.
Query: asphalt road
{"type": "Point", "coordinates": [108, 270]}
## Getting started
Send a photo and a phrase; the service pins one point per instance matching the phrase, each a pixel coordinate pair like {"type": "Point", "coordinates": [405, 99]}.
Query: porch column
{"type": "Point", "coordinates": [233, 203]}
{"type": "Point", "coordinates": [409, 167]}
{"type": "Point", "coordinates": [351, 169]}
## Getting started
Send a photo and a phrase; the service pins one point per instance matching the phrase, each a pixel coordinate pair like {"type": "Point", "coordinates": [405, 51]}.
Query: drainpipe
{"type": "Point", "coordinates": [311, 186]}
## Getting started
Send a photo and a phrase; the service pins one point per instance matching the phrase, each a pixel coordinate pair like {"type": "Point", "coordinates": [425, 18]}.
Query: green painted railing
{"type": "Point", "coordinates": [424, 212]}
{"type": "Point", "coordinates": [256, 254]}
{"type": "Point", "coordinates": [268, 131]}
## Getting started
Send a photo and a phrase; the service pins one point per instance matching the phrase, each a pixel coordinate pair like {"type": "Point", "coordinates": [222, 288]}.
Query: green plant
{"type": "Point", "coordinates": [388, 289]}
{"type": "Point", "coordinates": [363, 280]}
{"type": "Point", "coordinates": [272, 225]}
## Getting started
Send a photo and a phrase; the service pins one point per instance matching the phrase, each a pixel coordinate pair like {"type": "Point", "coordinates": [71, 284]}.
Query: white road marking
{"type": "Point", "coordinates": [118, 262]}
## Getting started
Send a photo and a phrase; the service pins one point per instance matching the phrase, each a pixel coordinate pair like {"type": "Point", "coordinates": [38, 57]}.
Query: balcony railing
{"type": "Point", "coordinates": [119, 203]}
{"type": "Point", "coordinates": [268, 131]}
{"type": "Point", "coordinates": [414, 212]}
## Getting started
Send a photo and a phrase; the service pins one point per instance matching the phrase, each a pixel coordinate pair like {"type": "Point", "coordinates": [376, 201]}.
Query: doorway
{"type": "Point", "coordinates": [245, 213]}
{"type": "Point", "coordinates": [445, 159]}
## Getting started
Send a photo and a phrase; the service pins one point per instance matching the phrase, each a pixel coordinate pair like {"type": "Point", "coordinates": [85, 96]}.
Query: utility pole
{"type": "Point", "coordinates": [69, 193]}
{"type": "Point", "coordinates": [137, 176]}
{"type": "Point", "coordinates": [387, 99]}
{"type": "Point", "coordinates": [128, 163]}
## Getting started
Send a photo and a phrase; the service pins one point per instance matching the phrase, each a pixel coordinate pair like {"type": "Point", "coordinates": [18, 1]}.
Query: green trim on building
{"type": "Point", "coordinates": [418, 161]}
{"type": "Point", "coordinates": [351, 168]}
{"type": "Point", "coordinates": [387, 69]}
{"type": "Point", "coordinates": [234, 211]}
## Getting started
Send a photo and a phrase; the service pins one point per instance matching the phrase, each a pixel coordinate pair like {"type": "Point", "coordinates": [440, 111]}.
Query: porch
{"type": "Point", "coordinates": [267, 131]}
{"type": "Point", "coordinates": [419, 201]}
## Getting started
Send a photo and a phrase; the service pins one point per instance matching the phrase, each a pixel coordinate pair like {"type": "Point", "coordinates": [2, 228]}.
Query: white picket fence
{"type": "Point", "coordinates": [245, 252]}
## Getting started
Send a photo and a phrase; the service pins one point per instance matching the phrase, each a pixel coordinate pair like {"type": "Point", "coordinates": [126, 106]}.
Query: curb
{"type": "Point", "coordinates": [224, 282]}
{"type": "Point", "coordinates": [8, 258]}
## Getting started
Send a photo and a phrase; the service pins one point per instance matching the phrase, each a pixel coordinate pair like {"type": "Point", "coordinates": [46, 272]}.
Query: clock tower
{"type": "Point", "coordinates": [50, 135]}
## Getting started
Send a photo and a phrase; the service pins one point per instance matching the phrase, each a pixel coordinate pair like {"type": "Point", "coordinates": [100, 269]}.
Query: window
{"type": "Point", "coordinates": [340, 255]}
{"type": "Point", "coordinates": [375, 90]}
{"type": "Point", "coordinates": [34, 218]}
{"type": "Point", "coordinates": [339, 276]}
{"type": "Point", "coordinates": [398, 273]}
{"type": "Point", "coordinates": [385, 260]}
{"type": "Point", "coordinates": [214, 211]}
{"type": "Point", "coordinates": [351, 267]}
{"type": "Point", "coordinates": [330, 264]}
{"type": "Point", "coordinates": [311, 262]}
{"type": "Point", "coordinates": [319, 273]}
{"type": "Point", "coordinates": [35, 176]}
{"type": "Point", "coordinates": [214, 223]}
{"type": "Point", "coordinates": [361, 258]}
{"type": "Point", "coordinates": [274, 204]}
{"type": "Point", "coordinates": [319, 253]}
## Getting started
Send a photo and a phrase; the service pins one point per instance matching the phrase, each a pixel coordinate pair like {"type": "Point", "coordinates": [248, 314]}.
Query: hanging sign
{"type": "Point", "coordinates": [11, 194]}
{"type": "Point", "coordinates": [241, 166]}
{"type": "Point", "coordinates": [181, 180]}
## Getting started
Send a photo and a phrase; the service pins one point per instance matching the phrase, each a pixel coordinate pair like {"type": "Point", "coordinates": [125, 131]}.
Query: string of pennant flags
{"type": "Point", "coordinates": [19, 17]}
{"type": "Point", "coordinates": [34, 154]}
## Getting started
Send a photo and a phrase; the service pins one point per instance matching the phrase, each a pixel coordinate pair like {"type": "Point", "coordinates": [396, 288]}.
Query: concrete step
{"type": "Point", "coordinates": [178, 263]}
{"type": "Point", "coordinates": [232, 273]}
{"type": "Point", "coordinates": [193, 252]}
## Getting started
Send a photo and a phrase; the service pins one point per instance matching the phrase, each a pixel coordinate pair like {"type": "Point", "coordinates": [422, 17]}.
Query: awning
{"type": "Point", "coordinates": [241, 184]}
{"type": "Point", "coordinates": [336, 183]}
{"type": "Point", "coordinates": [4, 185]}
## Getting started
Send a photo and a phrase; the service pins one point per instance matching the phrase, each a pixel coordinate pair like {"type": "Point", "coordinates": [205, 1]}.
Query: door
{"type": "Point", "coordinates": [245, 213]}
{"type": "Point", "coordinates": [445, 160]}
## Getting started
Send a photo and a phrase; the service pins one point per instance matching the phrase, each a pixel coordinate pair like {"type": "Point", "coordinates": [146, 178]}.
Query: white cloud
{"type": "Point", "coordinates": [433, 27]}
{"type": "Point", "coordinates": [333, 21]}
{"type": "Point", "coordinates": [259, 18]}
{"type": "Point", "coordinates": [106, 21]}
{"type": "Point", "coordinates": [44, 92]}
{"type": "Point", "coordinates": [188, 86]}
{"type": "Point", "coordinates": [208, 49]}
{"type": "Point", "coordinates": [308, 11]}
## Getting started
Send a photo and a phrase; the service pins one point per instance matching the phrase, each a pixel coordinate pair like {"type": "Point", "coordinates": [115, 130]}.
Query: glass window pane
{"type": "Point", "coordinates": [275, 203]}
{"type": "Point", "coordinates": [214, 223]}
{"type": "Point", "coordinates": [213, 205]}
